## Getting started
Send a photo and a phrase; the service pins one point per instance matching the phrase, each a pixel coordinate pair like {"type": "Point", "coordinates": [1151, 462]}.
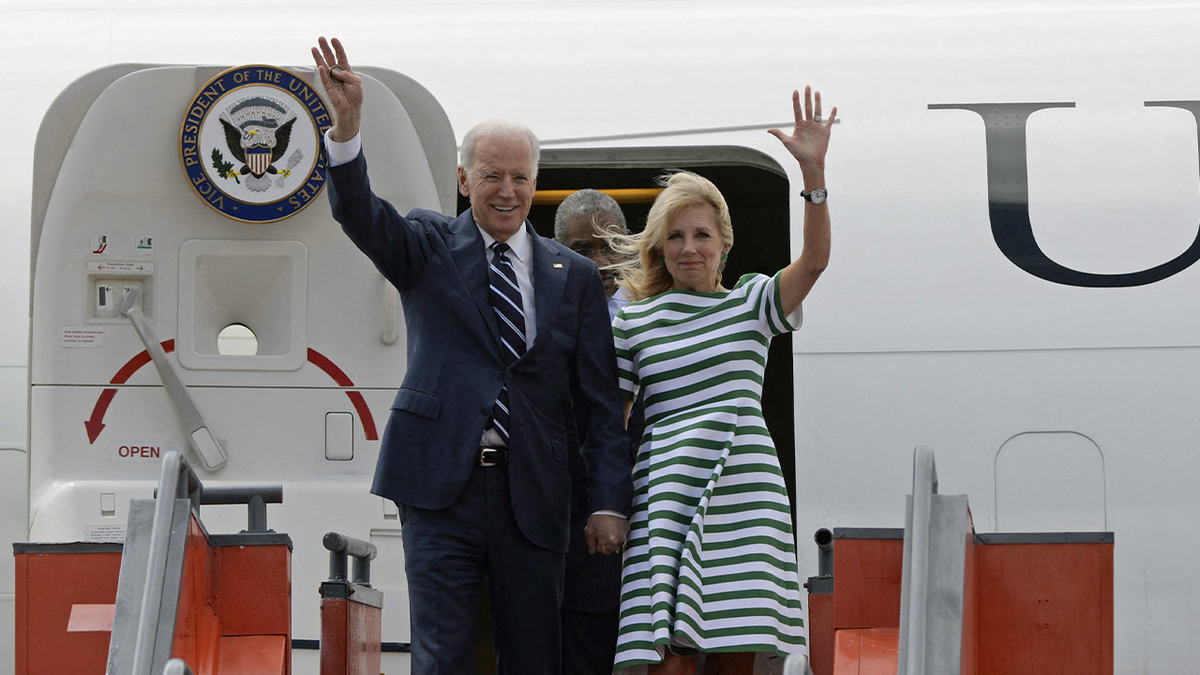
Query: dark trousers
{"type": "Point", "coordinates": [447, 553]}
{"type": "Point", "coordinates": [589, 642]}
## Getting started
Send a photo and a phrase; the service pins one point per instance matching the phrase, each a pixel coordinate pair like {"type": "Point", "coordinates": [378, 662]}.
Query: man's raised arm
{"type": "Point", "coordinates": [345, 93]}
{"type": "Point", "coordinates": [374, 225]}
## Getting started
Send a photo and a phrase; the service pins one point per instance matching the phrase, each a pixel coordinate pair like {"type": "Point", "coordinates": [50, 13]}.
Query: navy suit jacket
{"type": "Point", "coordinates": [455, 368]}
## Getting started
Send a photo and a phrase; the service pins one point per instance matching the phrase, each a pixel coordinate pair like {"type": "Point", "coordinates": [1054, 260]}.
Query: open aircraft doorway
{"type": "Point", "coordinates": [757, 191]}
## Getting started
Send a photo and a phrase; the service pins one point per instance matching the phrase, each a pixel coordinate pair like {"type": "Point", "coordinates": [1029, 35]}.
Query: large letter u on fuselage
{"type": "Point", "coordinates": [1008, 197]}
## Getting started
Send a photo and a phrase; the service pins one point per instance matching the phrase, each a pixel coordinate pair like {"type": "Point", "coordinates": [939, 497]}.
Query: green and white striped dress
{"type": "Point", "coordinates": [711, 560]}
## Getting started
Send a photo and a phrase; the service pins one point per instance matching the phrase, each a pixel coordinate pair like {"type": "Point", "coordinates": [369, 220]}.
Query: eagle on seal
{"type": "Point", "coordinates": [257, 131]}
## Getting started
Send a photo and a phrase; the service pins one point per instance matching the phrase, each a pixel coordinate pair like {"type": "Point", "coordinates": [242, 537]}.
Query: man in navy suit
{"type": "Point", "coordinates": [499, 321]}
{"type": "Point", "coordinates": [592, 592]}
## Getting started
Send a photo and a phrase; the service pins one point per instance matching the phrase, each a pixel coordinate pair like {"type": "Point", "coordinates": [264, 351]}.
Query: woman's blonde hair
{"type": "Point", "coordinates": [643, 274]}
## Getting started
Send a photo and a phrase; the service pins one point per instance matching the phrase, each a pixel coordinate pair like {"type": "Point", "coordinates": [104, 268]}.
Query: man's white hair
{"type": "Point", "coordinates": [503, 129]}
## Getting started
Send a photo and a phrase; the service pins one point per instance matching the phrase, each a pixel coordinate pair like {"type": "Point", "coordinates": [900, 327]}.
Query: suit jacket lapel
{"type": "Point", "coordinates": [466, 247]}
{"type": "Point", "coordinates": [549, 278]}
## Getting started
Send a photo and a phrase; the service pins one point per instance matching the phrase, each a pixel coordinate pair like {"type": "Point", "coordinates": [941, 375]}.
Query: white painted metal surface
{"type": "Point", "coordinates": [920, 332]}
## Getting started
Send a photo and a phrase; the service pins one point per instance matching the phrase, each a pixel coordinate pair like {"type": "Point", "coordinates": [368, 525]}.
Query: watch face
{"type": "Point", "coordinates": [817, 196]}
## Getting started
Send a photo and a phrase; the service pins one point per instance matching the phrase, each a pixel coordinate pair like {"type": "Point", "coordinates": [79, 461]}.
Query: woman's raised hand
{"type": "Point", "coordinates": [810, 138]}
{"type": "Point", "coordinates": [345, 93]}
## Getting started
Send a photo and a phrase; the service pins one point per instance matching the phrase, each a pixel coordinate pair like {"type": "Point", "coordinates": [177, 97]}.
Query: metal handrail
{"type": "Point", "coordinates": [340, 546]}
{"type": "Point", "coordinates": [824, 540]}
{"type": "Point", "coordinates": [195, 430]}
{"type": "Point", "coordinates": [177, 477]}
{"type": "Point", "coordinates": [177, 667]}
{"type": "Point", "coordinates": [916, 604]}
{"type": "Point", "coordinates": [255, 497]}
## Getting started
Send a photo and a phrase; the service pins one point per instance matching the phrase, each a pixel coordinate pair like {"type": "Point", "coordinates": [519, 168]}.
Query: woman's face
{"type": "Point", "coordinates": [692, 252]}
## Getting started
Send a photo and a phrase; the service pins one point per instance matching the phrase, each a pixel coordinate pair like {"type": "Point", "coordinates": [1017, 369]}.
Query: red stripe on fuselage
{"type": "Point", "coordinates": [138, 361]}
{"type": "Point", "coordinates": [360, 404]}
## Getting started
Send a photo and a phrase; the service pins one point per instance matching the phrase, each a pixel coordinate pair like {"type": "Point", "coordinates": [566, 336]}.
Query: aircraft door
{"type": "Point", "coordinates": [1050, 481]}
{"type": "Point", "coordinates": [139, 186]}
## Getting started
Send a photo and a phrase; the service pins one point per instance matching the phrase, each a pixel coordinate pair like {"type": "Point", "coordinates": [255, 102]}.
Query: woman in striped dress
{"type": "Point", "coordinates": [710, 565]}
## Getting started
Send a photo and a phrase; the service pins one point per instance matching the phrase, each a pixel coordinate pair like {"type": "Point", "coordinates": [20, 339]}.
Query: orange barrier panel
{"type": "Point", "coordinates": [253, 655]}
{"type": "Point", "coordinates": [969, 657]}
{"type": "Point", "coordinates": [1032, 603]}
{"type": "Point", "coordinates": [235, 586]}
{"type": "Point", "coordinates": [351, 629]}
{"type": "Point", "coordinates": [1054, 601]}
{"type": "Point", "coordinates": [256, 590]}
{"type": "Point", "coordinates": [867, 570]}
{"type": "Point", "coordinates": [820, 625]}
{"type": "Point", "coordinates": [197, 629]}
{"type": "Point", "coordinates": [866, 651]}
{"type": "Point", "coordinates": [60, 589]}
{"type": "Point", "coordinates": [234, 614]}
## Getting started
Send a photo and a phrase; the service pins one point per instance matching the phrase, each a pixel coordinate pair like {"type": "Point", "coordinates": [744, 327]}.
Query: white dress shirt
{"type": "Point", "coordinates": [521, 257]}
{"type": "Point", "coordinates": [616, 302]}
{"type": "Point", "coordinates": [342, 152]}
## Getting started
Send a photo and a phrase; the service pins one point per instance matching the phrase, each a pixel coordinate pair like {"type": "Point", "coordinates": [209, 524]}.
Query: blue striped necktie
{"type": "Point", "coordinates": [510, 315]}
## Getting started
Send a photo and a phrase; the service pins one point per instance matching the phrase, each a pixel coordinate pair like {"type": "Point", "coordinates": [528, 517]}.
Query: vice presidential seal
{"type": "Point", "coordinates": [251, 146]}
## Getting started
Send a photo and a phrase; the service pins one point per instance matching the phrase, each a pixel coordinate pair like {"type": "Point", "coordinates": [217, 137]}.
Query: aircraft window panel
{"type": "Point", "coordinates": [1050, 481]}
{"type": "Point", "coordinates": [108, 504]}
{"type": "Point", "coordinates": [260, 284]}
{"type": "Point", "coordinates": [339, 436]}
{"type": "Point", "coordinates": [237, 340]}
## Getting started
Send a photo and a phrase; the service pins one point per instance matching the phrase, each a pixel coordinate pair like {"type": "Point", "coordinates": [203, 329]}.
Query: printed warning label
{"type": "Point", "coordinates": [104, 534]}
{"type": "Point", "coordinates": [82, 336]}
{"type": "Point", "coordinates": [121, 267]}
{"type": "Point", "coordinates": [126, 451]}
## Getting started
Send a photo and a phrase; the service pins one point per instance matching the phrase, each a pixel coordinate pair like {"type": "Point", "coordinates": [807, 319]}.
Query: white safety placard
{"type": "Point", "coordinates": [121, 266]}
{"type": "Point", "coordinates": [138, 451]}
{"type": "Point", "coordinates": [104, 534]}
{"type": "Point", "coordinates": [82, 336]}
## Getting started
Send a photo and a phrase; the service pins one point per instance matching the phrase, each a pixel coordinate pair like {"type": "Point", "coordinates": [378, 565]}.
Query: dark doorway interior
{"type": "Point", "coordinates": [757, 191]}
{"type": "Point", "coordinates": [759, 206]}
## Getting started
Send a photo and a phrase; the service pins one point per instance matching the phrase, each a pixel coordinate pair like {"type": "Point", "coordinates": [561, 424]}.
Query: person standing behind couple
{"type": "Point", "coordinates": [592, 589]}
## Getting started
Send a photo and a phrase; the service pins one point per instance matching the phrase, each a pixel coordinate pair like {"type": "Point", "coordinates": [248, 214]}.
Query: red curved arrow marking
{"type": "Point", "coordinates": [132, 365]}
{"type": "Point", "coordinates": [360, 404]}
{"type": "Point", "coordinates": [96, 424]}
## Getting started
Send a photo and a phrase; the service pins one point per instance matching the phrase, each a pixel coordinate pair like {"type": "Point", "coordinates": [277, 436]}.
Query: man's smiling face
{"type": "Point", "coordinates": [500, 185]}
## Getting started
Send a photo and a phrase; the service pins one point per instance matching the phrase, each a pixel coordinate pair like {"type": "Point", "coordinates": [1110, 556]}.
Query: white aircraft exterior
{"type": "Point", "coordinates": [1052, 363]}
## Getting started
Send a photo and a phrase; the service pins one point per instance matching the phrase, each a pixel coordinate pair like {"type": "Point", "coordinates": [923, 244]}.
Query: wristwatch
{"type": "Point", "coordinates": [816, 196]}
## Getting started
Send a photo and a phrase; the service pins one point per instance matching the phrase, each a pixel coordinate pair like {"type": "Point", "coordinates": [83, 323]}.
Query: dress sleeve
{"type": "Point", "coordinates": [771, 318]}
{"type": "Point", "coordinates": [626, 369]}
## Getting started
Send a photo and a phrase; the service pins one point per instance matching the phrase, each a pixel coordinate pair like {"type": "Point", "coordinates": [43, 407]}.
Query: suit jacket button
{"type": "Point", "coordinates": [508, 374]}
{"type": "Point", "coordinates": [485, 411]}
